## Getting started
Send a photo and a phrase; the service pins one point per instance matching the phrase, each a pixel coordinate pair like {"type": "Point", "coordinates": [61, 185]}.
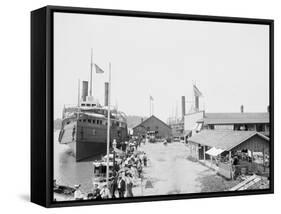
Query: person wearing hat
{"type": "Point", "coordinates": [121, 186]}
{"type": "Point", "coordinates": [129, 185]}
{"type": "Point", "coordinates": [96, 192]}
{"type": "Point", "coordinates": [114, 185]}
{"type": "Point", "coordinates": [144, 159]}
{"type": "Point", "coordinates": [114, 144]}
{"type": "Point", "coordinates": [105, 193]}
{"type": "Point", "coordinates": [78, 194]}
{"type": "Point", "coordinates": [139, 168]}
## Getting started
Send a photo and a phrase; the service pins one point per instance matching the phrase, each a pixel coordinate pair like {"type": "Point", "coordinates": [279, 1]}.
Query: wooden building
{"type": "Point", "coordinates": [177, 129]}
{"type": "Point", "coordinates": [197, 121]}
{"type": "Point", "coordinates": [217, 148]}
{"type": "Point", "coordinates": [258, 122]}
{"type": "Point", "coordinates": [153, 125]}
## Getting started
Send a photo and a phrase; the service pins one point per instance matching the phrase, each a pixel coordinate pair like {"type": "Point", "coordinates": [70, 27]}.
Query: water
{"type": "Point", "coordinates": [69, 172]}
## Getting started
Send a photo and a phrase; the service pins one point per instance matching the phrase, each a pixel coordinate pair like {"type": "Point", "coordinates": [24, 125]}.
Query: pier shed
{"type": "Point", "coordinates": [153, 125]}
{"type": "Point", "coordinates": [258, 122]}
{"type": "Point", "coordinates": [231, 152]}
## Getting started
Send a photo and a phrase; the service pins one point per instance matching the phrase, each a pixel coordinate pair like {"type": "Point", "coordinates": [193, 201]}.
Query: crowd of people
{"type": "Point", "coordinates": [125, 176]}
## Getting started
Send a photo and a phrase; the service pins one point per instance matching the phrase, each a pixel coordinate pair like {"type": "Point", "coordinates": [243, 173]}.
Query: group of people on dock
{"type": "Point", "coordinates": [125, 176]}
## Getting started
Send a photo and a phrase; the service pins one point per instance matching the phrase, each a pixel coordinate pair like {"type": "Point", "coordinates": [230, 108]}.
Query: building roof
{"type": "Point", "coordinates": [225, 140]}
{"type": "Point", "coordinates": [152, 117]}
{"type": "Point", "coordinates": [235, 118]}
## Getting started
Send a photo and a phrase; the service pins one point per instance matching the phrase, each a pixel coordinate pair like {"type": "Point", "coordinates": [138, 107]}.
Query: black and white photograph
{"type": "Point", "coordinates": [158, 107]}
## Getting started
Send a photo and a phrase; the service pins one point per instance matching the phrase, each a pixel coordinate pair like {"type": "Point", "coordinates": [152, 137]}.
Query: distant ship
{"type": "Point", "coordinates": [84, 127]}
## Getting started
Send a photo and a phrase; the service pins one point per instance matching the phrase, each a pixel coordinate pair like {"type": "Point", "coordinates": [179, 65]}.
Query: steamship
{"type": "Point", "coordinates": [84, 127]}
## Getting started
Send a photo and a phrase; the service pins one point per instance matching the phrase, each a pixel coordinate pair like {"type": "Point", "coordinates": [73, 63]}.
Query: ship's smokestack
{"type": "Point", "coordinates": [106, 94]}
{"type": "Point", "coordinates": [242, 109]}
{"type": "Point", "coordinates": [183, 106]}
{"type": "Point", "coordinates": [268, 109]}
{"type": "Point", "coordinates": [84, 90]}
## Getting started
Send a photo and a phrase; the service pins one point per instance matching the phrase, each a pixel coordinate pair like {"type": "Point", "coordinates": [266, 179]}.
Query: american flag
{"type": "Point", "coordinates": [196, 91]}
{"type": "Point", "coordinates": [98, 69]}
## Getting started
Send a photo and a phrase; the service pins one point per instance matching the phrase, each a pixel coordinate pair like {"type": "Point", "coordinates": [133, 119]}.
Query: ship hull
{"type": "Point", "coordinates": [87, 140]}
{"type": "Point", "coordinates": [86, 150]}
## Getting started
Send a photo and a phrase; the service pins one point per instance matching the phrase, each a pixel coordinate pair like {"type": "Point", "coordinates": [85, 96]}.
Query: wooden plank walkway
{"type": "Point", "coordinates": [246, 184]}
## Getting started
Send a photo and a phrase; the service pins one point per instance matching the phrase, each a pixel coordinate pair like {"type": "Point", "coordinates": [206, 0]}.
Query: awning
{"type": "Point", "coordinates": [103, 163]}
{"type": "Point", "coordinates": [110, 156]}
{"type": "Point", "coordinates": [118, 151]}
{"type": "Point", "coordinates": [214, 151]}
{"type": "Point", "coordinates": [199, 127]}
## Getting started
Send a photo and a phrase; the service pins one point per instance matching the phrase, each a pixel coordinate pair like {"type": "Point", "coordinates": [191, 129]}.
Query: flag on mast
{"type": "Point", "coordinates": [196, 91]}
{"type": "Point", "coordinates": [151, 98]}
{"type": "Point", "coordinates": [98, 69]}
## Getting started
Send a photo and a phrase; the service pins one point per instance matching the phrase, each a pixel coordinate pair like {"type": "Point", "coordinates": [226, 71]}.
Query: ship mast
{"type": "Point", "coordinates": [91, 75]}
{"type": "Point", "coordinates": [108, 126]}
{"type": "Point", "coordinates": [78, 104]}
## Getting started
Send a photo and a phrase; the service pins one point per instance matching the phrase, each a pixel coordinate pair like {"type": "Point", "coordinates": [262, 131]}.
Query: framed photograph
{"type": "Point", "coordinates": [130, 106]}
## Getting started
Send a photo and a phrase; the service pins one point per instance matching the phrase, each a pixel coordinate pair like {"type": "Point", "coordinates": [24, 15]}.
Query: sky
{"type": "Point", "coordinates": [228, 62]}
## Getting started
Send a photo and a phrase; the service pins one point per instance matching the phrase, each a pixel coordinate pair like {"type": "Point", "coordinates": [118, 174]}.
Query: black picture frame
{"type": "Point", "coordinates": [42, 102]}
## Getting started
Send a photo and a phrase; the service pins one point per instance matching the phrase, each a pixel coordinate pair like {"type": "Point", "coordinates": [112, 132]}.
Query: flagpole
{"type": "Point", "coordinates": [78, 103]}
{"type": "Point", "coordinates": [78, 99]}
{"type": "Point", "coordinates": [91, 75]}
{"type": "Point", "coordinates": [108, 126]}
{"type": "Point", "coordinates": [149, 106]}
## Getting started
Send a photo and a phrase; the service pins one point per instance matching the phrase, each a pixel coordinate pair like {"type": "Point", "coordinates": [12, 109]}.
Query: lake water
{"type": "Point", "coordinates": [69, 172]}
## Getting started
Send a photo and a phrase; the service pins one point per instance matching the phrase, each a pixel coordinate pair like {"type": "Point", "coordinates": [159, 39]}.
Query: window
{"type": "Point", "coordinates": [84, 120]}
{"type": "Point", "coordinates": [89, 121]}
{"type": "Point", "coordinates": [82, 104]}
{"type": "Point", "coordinates": [88, 104]}
{"type": "Point", "coordinates": [260, 127]}
{"type": "Point", "coordinates": [94, 121]}
{"type": "Point", "coordinates": [211, 127]}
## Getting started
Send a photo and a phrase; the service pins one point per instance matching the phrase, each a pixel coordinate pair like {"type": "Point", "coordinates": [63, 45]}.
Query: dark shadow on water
{"type": "Point", "coordinates": [25, 197]}
{"type": "Point", "coordinates": [93, 158]}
